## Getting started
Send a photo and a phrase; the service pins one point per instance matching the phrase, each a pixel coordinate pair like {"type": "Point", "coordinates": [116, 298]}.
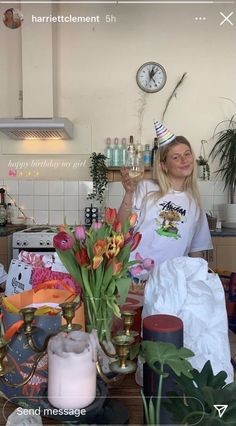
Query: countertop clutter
{"type": "Point", "coordinates": [10, 229]}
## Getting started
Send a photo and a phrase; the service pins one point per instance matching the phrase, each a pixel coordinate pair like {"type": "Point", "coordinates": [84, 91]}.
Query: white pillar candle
{"type": "Point", "coordinates": [72, 370]}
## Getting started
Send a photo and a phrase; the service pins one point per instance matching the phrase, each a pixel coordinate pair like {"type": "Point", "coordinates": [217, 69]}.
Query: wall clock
{"type": "Point", "coordinates": [151, 77]}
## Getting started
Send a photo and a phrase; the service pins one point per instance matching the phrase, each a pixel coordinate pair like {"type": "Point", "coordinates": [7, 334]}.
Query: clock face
{"type": "Point", "coordinates": [151, 77]}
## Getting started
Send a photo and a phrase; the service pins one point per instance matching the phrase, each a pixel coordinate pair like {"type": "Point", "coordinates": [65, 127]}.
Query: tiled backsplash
{"type": "Point", "coordinates": [51, 201]}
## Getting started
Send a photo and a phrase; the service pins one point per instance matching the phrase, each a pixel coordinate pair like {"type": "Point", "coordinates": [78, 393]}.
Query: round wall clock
{"type": "Point", "coordinates": [151, 77]}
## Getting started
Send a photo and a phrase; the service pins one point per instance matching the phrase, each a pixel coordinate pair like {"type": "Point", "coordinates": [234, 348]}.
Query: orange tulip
{"type": "Point", "coordinates": [110, 215]}
{"type": "Point", "coordinates": [112, 248]}
{"type": "Point", "coordinates": [117, 227]}
{"type": "Point", "coordinates": [117, 267]}
{"type": "Point", "coordinates": [133, 219]}
{"type": "Point", "coordinates": [99, 247]}
{"type": "Point", "coordinates": [136, 240]}
{"type": "Point", "coordinates": [97, 260]}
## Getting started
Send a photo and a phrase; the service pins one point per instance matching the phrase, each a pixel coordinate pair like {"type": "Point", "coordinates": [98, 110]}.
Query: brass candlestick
{"type": "Point", "coordinates": [128, 320]}
{"type": "Point", "coordinates": [123, 344]}
{"type": "Point", "coordinates": [68, 312]}
{"type": "Point", "coordinates": [28, 317]}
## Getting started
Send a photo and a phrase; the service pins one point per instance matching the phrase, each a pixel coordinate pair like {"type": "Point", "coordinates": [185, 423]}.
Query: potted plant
{"type": "Point", "coordinates": [202, 162]}
{"type": "Point", "coordinates": [225, 150]}
{"type": "Point", "coordinates": [203, 168]}
{"type": "Point", "coordinates": [98, 173]}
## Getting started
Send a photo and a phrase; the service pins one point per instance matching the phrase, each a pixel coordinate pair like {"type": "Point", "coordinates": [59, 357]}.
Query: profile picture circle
{"type": "Point", "coordinates": [12, 18]}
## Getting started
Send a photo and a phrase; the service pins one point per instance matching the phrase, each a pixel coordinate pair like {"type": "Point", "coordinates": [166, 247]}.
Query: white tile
{"type": "Point", "coordinates": [29, 212]}
{"type": "Point", "coordinates": [72, 217]}
{"type": "Point", "coordinates": [41, 201]}
{"type": "Point", "coordinates": [41, 187]}
{"type": "Point", "coordinates": [56, 217]}
{"type": "Point", "coordinates": [206, 187]}
{"type": "Point", "coordinates": [41, 217]}
{"type": "Point", "coordinates": [12, 186]}
{"type": "Point", "coordinates": [71, 202]}
{"type": "Point", "coordinates": [71, 188]}
{"type": "Point", "coordinates": [85, 187]}
{"type": "Point", "coordinates": [80, 217]}
{"type": "Point", "coordinates": [26, 187]}
{"type": "Point", "coordinates": [207, 203]}
{"type": "Point", "coordinates": [83, 202]}
{"type": "Point", "coordinates": [26, 201]}
{"type": "Point", "coordinates": [218, 187]}
{"type": "Point", "coordinates": [219, 199]}
{"type": "Point", "coordinates": [56, 187]}
{"type": "Point", "coordinates": [115, 188]}
{"type": "Point", "coordinates": [115, 202]}
{"type": "Point", "coordinates": [56, 203]}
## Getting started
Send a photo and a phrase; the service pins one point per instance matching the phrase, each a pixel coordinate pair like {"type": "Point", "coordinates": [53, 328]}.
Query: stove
{"type": "Point", "coordinates": [36, 238]}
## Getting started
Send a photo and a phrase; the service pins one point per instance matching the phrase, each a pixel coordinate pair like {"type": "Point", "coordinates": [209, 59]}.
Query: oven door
{"type": "Point", "coordinates": [38, 250]}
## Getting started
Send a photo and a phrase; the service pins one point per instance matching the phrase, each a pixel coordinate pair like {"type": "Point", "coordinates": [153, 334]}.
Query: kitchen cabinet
{"type": "Point", "coordinates": [6, 251]}
{"type": "Point", "coordinates": [114, 175]}
{"type": "Point", "coordinates": [223, 255]}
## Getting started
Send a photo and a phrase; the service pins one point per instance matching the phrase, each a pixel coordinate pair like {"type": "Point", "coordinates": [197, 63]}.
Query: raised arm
{"type": "Point", "coordinates": [129, 186]}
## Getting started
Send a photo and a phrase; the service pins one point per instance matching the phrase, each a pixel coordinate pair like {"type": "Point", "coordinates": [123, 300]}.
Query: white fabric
{"type": "Point", "coordinates": [171, 226]}
{"type": "Point", "coordinates": [184, 288]}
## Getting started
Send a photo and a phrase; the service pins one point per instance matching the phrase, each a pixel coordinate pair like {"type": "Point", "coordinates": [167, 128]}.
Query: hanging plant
{"type": "Point", "coordinates": [98, 173]}
{"type": "Point", "coordinates": [202, 162]}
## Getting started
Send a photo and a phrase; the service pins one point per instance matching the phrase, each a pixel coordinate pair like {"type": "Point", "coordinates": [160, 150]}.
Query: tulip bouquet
{"type": "Point", "coordinates": [98, 259]}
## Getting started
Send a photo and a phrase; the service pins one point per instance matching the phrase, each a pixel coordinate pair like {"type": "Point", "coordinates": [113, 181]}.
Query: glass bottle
{"type": "Point", "coordinates": [108, 152]}
{"type": "Point", "coordinates": [9, 213]}
{"type": "Point", "coordinates": [3, 211]}
{"type": "Point", "coordinates": [116, 154]}
{"type": "Point", "coordinates": [135, 163]}
{"type": "Point", "coordinates": [123, 156]}
{"type": "Point", "coordinates": [153, 159]}
{"type": "Point", "coordinates": [147, 156]}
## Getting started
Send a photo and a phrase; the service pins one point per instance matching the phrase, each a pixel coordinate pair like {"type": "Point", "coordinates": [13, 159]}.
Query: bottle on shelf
{"type": "Point", "coordinates": [108, 152]}
{"type": "Point", "coordinates": [116, 154]}
{"type": "Point", "coordinates": [123, 157]}
{"type": "Point", "coordinates": [147, 155]}
{"type": "Point", "coordinates": [9, 213]}
{"type": "Point", "coordinates": [131, 153]}
{"type": "Point", "coordinates": [3, 211]}
{"type": "Point", "coordinates": [153, 158]}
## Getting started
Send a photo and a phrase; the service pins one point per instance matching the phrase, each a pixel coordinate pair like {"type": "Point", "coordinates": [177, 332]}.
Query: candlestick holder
{"type": "Point", "coordinates": [128, 320]}
{"type": "Point", "coordinates": [68, 312]}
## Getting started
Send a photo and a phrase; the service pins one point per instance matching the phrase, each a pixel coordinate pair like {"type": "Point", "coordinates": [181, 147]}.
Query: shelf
{"type": "Point", "coordinates": [114, 175]}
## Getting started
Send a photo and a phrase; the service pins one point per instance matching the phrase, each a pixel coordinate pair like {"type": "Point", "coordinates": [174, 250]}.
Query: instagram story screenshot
{"type": "Point", "coordinates": [118, 212]}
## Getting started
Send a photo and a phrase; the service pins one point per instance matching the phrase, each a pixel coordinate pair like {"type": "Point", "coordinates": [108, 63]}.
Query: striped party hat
{"type": "Point", "coordinates": [164, 136]}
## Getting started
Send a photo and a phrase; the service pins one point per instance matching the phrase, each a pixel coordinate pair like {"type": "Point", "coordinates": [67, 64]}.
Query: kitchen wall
{"type": "Point", "coordinates": [94, 67]}
{"type": "Point", "coordinates": [51, 201]}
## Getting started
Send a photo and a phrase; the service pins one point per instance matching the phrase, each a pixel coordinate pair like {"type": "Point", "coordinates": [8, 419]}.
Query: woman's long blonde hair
{"type": "Point", "coordinates": [163, 180]}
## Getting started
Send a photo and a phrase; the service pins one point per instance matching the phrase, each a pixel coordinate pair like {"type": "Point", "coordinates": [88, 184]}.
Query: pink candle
{"type": "Point", "coordinates": [72, 370]}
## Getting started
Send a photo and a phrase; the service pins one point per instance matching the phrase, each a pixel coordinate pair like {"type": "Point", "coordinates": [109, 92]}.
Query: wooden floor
{"type": "Point", "coordinates": [128, 392]}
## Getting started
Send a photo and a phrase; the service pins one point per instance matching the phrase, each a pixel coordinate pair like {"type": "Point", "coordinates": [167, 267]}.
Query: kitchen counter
{"type": "Point", "coordinates": [224, 232]}
{"type": "Point", "coordinates": [10, 229]}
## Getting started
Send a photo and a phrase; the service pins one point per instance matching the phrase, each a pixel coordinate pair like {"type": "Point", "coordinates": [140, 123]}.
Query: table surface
{"type": "Point", "coordinates": [128, 392]}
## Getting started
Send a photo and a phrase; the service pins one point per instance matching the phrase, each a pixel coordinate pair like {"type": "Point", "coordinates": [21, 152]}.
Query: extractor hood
{"type": "Point", "coordinates": [37, 128]}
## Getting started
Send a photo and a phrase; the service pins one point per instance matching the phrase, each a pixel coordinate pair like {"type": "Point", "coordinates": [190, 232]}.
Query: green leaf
{"type": "Point", "coordinates": [123, 286]}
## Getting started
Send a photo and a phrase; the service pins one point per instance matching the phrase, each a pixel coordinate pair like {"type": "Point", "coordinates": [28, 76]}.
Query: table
{"type": "Point", "coordinates": [128, 392]}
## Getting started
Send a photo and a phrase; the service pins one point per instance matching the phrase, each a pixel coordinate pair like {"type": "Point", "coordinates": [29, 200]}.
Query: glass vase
{"type": "Point", "coordinates": [99, 316]}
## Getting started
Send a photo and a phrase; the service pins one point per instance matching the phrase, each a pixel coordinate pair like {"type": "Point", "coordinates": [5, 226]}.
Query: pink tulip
{"type": "Point", "coordinates": [80, 233]}
{"type": "Point", "coordinates": [63, 241]}
{"type": "Point", "coordinates": [133, 219]}
{"type": "Point", "coordinates": [96, 226]}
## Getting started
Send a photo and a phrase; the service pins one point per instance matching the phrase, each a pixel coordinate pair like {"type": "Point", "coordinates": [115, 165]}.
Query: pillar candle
{"type": "Point", "coordinates": [72, 370]}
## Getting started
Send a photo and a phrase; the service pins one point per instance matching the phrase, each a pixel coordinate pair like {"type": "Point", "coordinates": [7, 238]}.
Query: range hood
{"type": "Point", "coordinates": [37, 128]}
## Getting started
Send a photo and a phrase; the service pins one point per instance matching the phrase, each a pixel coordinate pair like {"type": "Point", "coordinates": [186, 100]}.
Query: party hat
{"type": "Point", "coordinates": [164, 136]}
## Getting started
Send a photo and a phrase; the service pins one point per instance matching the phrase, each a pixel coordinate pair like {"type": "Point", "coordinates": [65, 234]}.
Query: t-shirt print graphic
{"type": "Point", "coordinates": [170, 216]}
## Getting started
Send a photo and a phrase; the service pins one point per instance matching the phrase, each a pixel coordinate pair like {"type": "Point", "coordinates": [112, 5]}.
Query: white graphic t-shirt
{"type": "Point", "coordinates": [171, 226]}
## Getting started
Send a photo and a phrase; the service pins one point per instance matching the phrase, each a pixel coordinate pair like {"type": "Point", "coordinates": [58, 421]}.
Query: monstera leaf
{"type": "Point", "coordinates": [201, 393]}
{"type": "Point", "coordinates": [166, 354]}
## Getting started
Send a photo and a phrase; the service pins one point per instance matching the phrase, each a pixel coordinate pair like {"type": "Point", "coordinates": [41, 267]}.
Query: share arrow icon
{"type": "Point", "coordinates": [221, 409]}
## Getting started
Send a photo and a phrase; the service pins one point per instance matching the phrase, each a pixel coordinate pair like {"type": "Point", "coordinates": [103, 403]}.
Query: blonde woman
{"type": "Point", "coordinates": [171, 220]}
